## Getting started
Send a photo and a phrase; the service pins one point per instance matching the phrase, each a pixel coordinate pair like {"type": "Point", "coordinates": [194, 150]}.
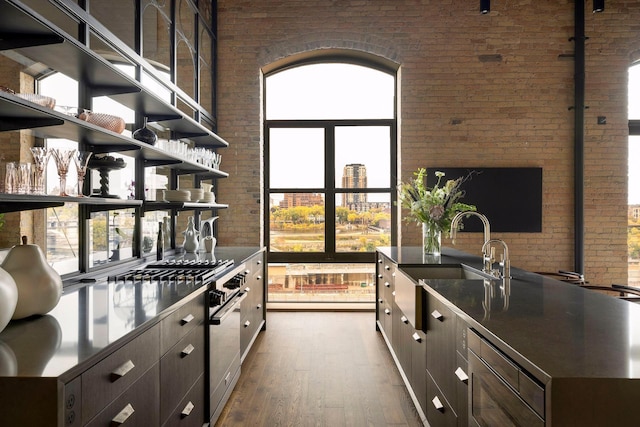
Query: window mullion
{"type": "Point", "coordinates": [330, 196]}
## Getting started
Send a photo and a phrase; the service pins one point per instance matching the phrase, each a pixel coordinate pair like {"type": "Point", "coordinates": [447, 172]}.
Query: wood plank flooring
{"type": "Point", "coordinates": [319, 369]}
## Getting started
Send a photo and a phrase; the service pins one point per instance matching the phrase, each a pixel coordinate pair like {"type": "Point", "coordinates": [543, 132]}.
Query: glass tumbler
{"type": "Point", "coordinates": [11, 177]}
{"type": "Point", "coordinates": [23, 178]}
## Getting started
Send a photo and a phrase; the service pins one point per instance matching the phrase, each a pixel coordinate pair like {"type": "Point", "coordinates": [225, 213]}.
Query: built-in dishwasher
{"type": "Point", "coordinates": [502, 393]}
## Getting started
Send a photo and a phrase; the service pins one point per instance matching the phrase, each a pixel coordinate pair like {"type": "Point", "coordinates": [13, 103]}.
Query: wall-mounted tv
{"type": "Point", "coordinates": [511, 198]}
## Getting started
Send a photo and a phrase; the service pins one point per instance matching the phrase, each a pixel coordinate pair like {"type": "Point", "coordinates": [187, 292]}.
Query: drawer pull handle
{"type": "Point", "coordinates": [259, 306]}
{"type": "Point", "coordinates": [123, 415]}
{"type": "Point", "coordinates": [380, 300]}
{"type": "Point", "coordinates": [437, 315]}
{"type": "Point", "coordinates": [187, 410]}
{"type": "Point", "coordinates": [416, 337]}
{"type": "Point", "coordinates": [437, 404]}
{"type": "Point", "coordinates": [379, 276]}
{"type": "Point", "coordinates": [462, 375]}
{"type": "Point", "coordinates": [393, 293]}
{"type": "Point", "coordinates": [386, 267]}
{"type": "Point", "coordinates": [404, 320]}
{"type": "Point", "coordinates": [122, 370]}
{"type": "Point", "coordinates": [258, 277]}
{"type": "Point", "coordinates": [387, 284]}
{"type": "Point", "coordinates": [187, 319]}
{"type": "Point", "coordinates": [187, 351]}
{"type": "Point", "coordinates": [258, 262]}
{"type": "Point", "coordinates": [247, 289]}
{"type": "Point", "coordinates": [247, 324]}
{"type": "Point", "coordinates": [387, 311]}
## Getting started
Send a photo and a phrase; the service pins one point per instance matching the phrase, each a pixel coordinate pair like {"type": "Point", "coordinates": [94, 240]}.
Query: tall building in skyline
{"type": "Point", "coordinates": [354, 175]}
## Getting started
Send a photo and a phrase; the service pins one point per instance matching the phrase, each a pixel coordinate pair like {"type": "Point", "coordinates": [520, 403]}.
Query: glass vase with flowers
{"type": "Point", "coordinates": [432, 208]}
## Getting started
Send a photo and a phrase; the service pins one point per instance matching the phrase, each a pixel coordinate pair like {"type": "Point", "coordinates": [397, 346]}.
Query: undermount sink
{"type": "Point", "coordinates": [439, 271]}
{"type": "Point", "coordinates": [408, 289]}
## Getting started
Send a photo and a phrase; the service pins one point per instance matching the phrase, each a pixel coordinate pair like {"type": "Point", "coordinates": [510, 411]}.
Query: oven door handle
{"type": "Point", "coordinates": [227, 309]}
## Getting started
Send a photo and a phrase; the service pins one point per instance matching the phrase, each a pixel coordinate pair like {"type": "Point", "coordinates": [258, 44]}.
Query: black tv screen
{"type": "Point", "coordinates": [511, 198]}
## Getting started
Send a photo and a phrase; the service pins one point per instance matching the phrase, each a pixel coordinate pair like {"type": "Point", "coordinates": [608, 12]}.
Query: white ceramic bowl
{"type": "Point", "coordinates": [177, 195]}
{"type": "Point", "coordinates": [196, 193]}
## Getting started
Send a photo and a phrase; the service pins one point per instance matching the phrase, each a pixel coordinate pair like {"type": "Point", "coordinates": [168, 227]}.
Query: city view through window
{"type": "Point", "coordinates": [330, 180]}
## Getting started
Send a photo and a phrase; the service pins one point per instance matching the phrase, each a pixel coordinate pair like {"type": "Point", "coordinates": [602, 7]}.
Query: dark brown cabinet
{"type": "Point", "coordinates": [252, 309]}
{"type": "Point", "coordinates": [385, 280]}
{"type": "Point", "coordinates": [441, 344]}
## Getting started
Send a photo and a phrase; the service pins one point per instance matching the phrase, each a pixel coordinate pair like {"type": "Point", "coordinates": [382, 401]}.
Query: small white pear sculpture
{"type": "Point", "coordinates": [39, 285]}
{"type": "Point", "coordinates": [8, 298]}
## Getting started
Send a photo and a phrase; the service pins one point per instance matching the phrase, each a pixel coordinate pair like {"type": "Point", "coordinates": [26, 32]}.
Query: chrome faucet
{"type": "Point", "coordinates": [505, 263]}
{"type": "Point", "coordinates": [487, 234]}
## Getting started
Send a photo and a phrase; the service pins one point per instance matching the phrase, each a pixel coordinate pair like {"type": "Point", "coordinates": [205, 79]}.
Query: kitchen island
{"type": "Point", "coordinates": [564, 355]}
{"type": "Point", "coordinates": [117, 350]}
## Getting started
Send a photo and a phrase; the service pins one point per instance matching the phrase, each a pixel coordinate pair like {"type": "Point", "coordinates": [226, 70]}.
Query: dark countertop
{"type": "Point", "coordinates": [554, 329]}
{"type": "Point", "coordinates": [90, 318]}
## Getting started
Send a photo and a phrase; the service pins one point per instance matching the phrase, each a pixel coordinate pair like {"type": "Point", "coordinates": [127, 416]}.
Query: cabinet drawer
{"type": "Point", "coordinates": [504, 367]}
{"type": "Point", "coordinates": [137, 406]}
{"type": "Point", "coordinates": [181, 322]}
{"type": "Point", "coordinates": [113, 375]}
{"type": "Point", "coordinates": [439, 411]}
{"type": "Point", "coordinates": [190, 411]}
{"type": "Point", "coordinates": [180, 368]}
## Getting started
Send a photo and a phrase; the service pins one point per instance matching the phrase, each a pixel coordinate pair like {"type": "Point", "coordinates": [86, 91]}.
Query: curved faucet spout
{"type": "Point", "coordinates": [455, 223]}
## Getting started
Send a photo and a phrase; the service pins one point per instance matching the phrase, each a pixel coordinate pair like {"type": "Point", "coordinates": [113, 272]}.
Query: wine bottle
{"type": "Point", "coordinates": [160, 243]}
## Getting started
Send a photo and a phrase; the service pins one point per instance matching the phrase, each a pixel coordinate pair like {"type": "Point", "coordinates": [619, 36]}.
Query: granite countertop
{"type": "Point", "coordinates": [90, 318]}
{"type": "Point", "coordinates": [555, 329]}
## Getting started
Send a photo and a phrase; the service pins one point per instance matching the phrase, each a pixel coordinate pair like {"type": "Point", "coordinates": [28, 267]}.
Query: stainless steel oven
{"type": "Point", "coordinates": [225, 300]}
{"type": "Point", "coordinates": [502, 394]}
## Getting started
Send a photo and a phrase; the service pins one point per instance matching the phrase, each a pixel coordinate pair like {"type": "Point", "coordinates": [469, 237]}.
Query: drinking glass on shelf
{"type": "Point", "coordinates": [23, 178]}
{"type": "Point", "coordinates": [81, 159]}
{"type": "Point", "coordinates": [40, 161]}
{"type": "Point", "coordinates": [63, 158]}
{"type": "Point", "coordinates": [11, 177]}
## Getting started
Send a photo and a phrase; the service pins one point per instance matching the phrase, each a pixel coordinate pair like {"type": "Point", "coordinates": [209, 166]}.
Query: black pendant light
{"type": "Point", "coordinates": [485, 6]}
{"type": "Point", "coordinates": [598, 6]}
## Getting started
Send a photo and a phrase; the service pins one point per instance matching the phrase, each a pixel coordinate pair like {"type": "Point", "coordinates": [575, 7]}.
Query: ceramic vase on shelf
{"type": "Point", "coordinates": [39, 285]}
{"type": "Point", "coordinates": [431, 241]}
{"type": "Point", "coordinates": [146, 135]}
{"type": "Point", "coordinates": [191, 237]}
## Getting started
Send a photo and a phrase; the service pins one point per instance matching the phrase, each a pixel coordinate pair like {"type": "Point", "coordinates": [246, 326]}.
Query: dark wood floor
{"type": "Point", "coordinates": [319, 369]}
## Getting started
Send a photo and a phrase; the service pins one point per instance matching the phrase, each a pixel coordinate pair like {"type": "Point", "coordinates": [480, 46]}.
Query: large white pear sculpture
{"type": "Point", "coordinates": [8, 298]}
{"type": "Point", "coordinates": [39, 285]}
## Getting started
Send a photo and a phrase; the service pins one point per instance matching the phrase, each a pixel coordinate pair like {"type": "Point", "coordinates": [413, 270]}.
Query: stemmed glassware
{"type": "Point", "coordinates": [63, 158]}
{"type": "Point", "coordinates": [81, 159]}
{"type": "Point", "coordinates": [40, 160]}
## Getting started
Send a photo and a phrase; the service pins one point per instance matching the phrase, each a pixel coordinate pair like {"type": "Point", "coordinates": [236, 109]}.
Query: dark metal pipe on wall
{"type": "Point", "coordinates": [579, 107]}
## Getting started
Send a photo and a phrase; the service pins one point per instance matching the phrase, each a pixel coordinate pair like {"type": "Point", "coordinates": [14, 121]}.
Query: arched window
{"type": "Point", "coordinates": [330, 176]}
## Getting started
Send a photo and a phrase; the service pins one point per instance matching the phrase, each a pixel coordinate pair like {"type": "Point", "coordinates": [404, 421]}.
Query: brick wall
{"type": "Point", "coordinates": [475, 90]}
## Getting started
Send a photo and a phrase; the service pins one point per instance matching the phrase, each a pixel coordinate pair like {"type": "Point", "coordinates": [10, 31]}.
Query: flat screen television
{"type": "Point", "coordinates": [511, 198]}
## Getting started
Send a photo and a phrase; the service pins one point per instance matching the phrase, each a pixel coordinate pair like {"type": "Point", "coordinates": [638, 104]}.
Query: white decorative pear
{"type": "Point", "coordinates": [39, 285]}
{"type": "Point", "coordinates": [8, 298]}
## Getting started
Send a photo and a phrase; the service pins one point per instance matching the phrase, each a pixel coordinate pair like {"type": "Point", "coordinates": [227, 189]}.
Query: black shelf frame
{"type": "Point", "coordinates": [21, 202]}
{"type": "Point", "coordinates": [29, 34]}
{"type": "Point", "coordinates": [33, 38]}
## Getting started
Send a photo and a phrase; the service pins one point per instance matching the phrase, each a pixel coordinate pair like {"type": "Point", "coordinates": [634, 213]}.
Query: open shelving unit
{"type": "Point", "coordinates": [32, 36]}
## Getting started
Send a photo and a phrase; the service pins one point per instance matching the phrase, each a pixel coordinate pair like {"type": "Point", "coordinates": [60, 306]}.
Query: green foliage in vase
{"type": "Point", "coordinates": [435, 206]}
